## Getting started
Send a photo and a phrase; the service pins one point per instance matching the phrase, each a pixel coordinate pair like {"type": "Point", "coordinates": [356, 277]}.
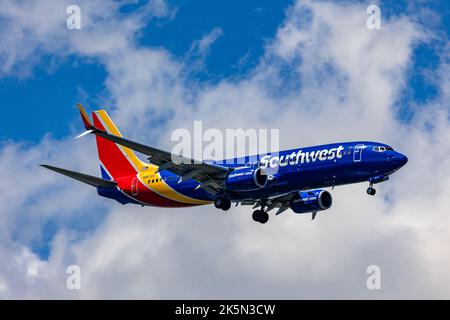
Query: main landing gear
{"type": "Point", "coordinates": [261, 215]}
{"type": "Point", "coordinates": [371, 190]}
{"type": "Point", "coordinates": [222, 203]}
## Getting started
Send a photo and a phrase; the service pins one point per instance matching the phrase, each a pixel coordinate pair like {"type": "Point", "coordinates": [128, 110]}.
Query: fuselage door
{"type": "Point", "coordinates": [357, 153]}
{"type": "Point", "coordinates": [134, 186]}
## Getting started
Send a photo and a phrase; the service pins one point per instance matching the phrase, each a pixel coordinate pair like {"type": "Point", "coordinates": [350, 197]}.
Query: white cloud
{"type": "Point", "coordinates": [202, 46]}
{"type": "Point", "coordinates": [31, 28]}
{"type": "Point", "coordinates": [344, 83]}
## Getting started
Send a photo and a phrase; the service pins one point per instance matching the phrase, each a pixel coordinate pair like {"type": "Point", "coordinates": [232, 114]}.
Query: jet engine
{"type": "Point", "coordinates": [246, 179]}
{"type": "Point", "coordinates": [311, 201]}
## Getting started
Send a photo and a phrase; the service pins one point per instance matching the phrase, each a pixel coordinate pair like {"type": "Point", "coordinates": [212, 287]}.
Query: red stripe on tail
{"type": "Point", "coordinates": [111, 156]}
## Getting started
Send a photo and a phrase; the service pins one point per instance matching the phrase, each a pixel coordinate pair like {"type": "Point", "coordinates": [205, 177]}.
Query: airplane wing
{"type": "Point", "coordinates": [282, 203]}
{"type": "Point", "coordinates": [209, 175]}
{"type": "Point", "coordinates": [91, 180]}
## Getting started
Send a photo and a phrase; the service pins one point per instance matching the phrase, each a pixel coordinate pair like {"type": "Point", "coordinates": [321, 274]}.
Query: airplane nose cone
{"type": "Point", "coordinates": [399, 160]}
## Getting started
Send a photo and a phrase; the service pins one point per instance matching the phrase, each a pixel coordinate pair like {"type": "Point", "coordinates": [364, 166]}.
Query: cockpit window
{"type": "Point", "coordinates": [379, 149]}
{"type": "Point", "coordinates": [389, 148]}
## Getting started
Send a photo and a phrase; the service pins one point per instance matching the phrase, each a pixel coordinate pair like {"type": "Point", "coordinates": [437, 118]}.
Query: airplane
{"type": "Point", "coordinates": [297, 181]}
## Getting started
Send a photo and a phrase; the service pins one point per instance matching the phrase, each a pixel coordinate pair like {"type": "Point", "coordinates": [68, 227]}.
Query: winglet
{"type": "Point", "coordinates": [84, 116]}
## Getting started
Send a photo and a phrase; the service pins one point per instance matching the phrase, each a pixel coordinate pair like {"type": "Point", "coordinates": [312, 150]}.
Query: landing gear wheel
{"type": "Point", "coordinates": [260, 216]}
{"type": "Point", "coordinates": [218, 203]}
{"type": "Point", "coordinates": [255, 215]}
{"type": "Point", "coordinates": [226, 204]}
{"type": "Point", "coordinates": [222, 203]}
{"type": "Point", "coordinates": [371, 191]}
{"type": "Point", "coordinates": [264, 217]}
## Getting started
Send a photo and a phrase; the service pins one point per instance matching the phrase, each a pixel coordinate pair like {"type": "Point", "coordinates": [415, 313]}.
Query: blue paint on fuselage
{"type": "Point", "coordinates": [186, 188]}
{"type": "Point", "coordinates": [116, 194]}
{"type": "Point", "coordinates": [355, 162]}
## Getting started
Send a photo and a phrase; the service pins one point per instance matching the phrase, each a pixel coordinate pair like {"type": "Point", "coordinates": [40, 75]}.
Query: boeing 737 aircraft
{"type": "Point", "coordinates": [297, 183]}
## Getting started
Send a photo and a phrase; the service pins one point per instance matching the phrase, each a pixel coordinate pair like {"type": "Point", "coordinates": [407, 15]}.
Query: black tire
{"type": "Point", "coordinates": [371, 191]}
{"type": "Point", "coordinates": [218, 203]}
{"type": "Point", "coordinates": [260, 216]}
{"type": "Point", "coordinates": [256, 215]}
{"type": "Point", "coordinates": [226, 204]}
{"type": "Point", "coordinates": [264, 217]}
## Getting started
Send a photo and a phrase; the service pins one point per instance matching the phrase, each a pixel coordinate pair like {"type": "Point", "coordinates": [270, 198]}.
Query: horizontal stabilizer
{"type": "Point", "coordinates": [91, 180]}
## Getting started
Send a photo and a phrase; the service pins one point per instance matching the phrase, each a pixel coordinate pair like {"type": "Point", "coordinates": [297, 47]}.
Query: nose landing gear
{"type": "Point", "coordinates": [377, 179]}
{"type": "Point", "coordinates": [371, 190]}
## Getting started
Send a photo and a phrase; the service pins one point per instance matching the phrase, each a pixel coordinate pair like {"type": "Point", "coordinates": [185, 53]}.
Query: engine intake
{"type": "Point", "coordinates": [246, 179]}
{"type": "Point", "coordinates": [311, 201]}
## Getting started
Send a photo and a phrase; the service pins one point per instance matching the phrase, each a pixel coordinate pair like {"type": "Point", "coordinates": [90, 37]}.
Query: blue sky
{"type": "Point", "coordinates": [45, 99]}
{"type": "Point", "coordinates": [41, 102]}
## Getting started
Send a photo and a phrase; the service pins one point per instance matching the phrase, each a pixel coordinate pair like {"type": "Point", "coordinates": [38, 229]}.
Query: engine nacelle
{"type": "Point", "coordinates": [246, 179]}
{"type": "Point", "coordinates": [311, 201]}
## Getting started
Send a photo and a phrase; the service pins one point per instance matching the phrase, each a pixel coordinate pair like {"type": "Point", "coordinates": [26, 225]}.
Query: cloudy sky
{"type": "Point", "coordinates": [309, 68]}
